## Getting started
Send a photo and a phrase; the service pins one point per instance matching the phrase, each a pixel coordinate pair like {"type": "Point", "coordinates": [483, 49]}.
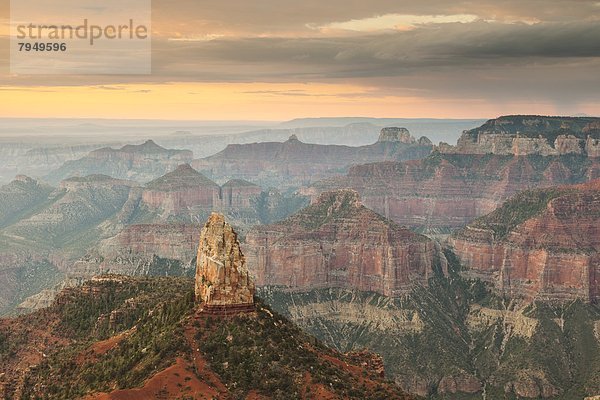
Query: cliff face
{"type": "Point", "coordinates": [174, 241]}
{"type": "Point", "coordinates": [138, 162]}
{"type": "Point", "coordinates": [238, 194]}
{"type": "Point", "coordinates": [445, 191]}
{"type": "Point", "coordinates": [180, 190]}
{"type": "Point", "coordinates": [337, 242]}
{"type": "Point", "coordinates": [185, 191]}
{"type": "Point", "coordinates": [529, 134]}
{"type": "Point", "coordinates": [294, 163]}
{"type": "Point", "coordinates": [540, 244]}
{"type": "Point", "coordinates": [222, 278]}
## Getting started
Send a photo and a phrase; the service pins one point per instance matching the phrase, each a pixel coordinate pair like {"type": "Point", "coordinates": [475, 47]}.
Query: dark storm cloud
{"type": "Point", "coordinates": [448, 45]}
{"type": "Point", "coordinates": [288, 15]}
{"type": "Point", "coordinates": [529, 49]}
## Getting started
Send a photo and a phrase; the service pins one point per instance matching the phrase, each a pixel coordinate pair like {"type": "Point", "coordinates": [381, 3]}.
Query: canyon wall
{"type": "Point", "coordinates": [540, 245]}
{"type": "Point", "coordinates": [185, 190]}
{"type": "Point", "coordinates": [337, 242]}
{"type": "Point", "coordinates": [444, 192]}
{"type": "Point", "coordinates": [294, 163]}
{"type": "Point", "coordinates": [525, 135]}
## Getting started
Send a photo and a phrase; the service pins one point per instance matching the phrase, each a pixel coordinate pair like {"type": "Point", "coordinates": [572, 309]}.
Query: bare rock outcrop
{"type": "Point", "coordinates": [338, 242]}
{"type": "Point", "coordinates": [530, 134]}
{"type": "Point", "coordinates": [186, 191]}
{"type": "Point", "coordinates": [222, 279]}
{"type": "Point", "coordinates": [541, 244]}
{"type": "Point", "coordinates": [181, 189]}
{"type": "Point", "coordinates": [463, 382]}
{"type": "Point", "coordinates": [394, 134]}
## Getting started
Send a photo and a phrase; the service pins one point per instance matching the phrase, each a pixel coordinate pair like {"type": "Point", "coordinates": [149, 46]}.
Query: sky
{"type": "Point", "coordinates": [281, 59]}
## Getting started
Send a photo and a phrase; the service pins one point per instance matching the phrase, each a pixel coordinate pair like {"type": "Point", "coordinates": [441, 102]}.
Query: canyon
{"type": "Point", "coordinates": [541, 244]}
{"type": "Point", "coordinates": [141, 163]}
{"type": "Point", "coordinates": [506, 307]}
{"type": "Point", "coordinates": [338, 242]}
{"type": "Point", "coordinates": [453, 186]}
{"type": "Point", "coordinates": [93, 224]}
{"type": "Point", "coordinates": [294, 163]}
{"type": "Point", "coordinates": [488, 314]}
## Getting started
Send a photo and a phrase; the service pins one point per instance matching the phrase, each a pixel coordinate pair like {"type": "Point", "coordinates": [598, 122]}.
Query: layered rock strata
{"type": "Point", "coordinates": [447, 191]}
{"type": "Point", "coordinates": [542, 244]}
{"type": "Point", "coordinates": [531, 134]}
{"type": "Point", "coordinates": [222, 278]}
{"type": "Point", "coordinates": [294, 163]}
{"type": "Point", "coordinates": [338, 242]}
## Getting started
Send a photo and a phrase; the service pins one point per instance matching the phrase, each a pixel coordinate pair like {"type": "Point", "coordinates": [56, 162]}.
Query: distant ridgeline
{"type": "Point", "coordinates": [529, 134]}
{"type": "Point", "coordinates": [293, 163]}
{"type": "Point", "coordinates": [456, 184]}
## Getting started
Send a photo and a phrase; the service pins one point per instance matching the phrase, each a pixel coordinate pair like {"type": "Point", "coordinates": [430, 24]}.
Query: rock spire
{"type": "Point", "coordinates": [222, 279]}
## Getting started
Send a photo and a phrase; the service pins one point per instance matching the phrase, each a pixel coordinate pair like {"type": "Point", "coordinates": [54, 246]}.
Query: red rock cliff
{"type": "Point", "coordinates": [337, 242]}
{"type": "Point", "coordinates": [180, 190]}
{"type": "Point", "coordinates": [541, 244]}
{"type": "Point", "coordinates": [450, 190]}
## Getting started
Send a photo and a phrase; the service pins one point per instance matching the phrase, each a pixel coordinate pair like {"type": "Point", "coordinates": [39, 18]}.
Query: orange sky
{"type": "Point", "coordinates": [238, 101]}
{"type": "Point", "coordinates": [280, 60]}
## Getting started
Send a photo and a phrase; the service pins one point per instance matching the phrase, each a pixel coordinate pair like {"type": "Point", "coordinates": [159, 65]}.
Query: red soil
{"type": "Point", "coordinates": [174, 382]}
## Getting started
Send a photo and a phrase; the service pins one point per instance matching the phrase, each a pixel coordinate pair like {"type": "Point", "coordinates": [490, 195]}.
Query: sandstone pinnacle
{"type": "Point", "coordinates": [222, 278]}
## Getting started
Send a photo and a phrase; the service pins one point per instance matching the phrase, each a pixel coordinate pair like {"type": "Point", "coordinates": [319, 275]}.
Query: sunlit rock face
{"type": "Point", "coordinates": [540, 245]}
{"type": "Point", "coordinates": [338, 242]}
{"type": "Point", "coordinates": [222, 278]}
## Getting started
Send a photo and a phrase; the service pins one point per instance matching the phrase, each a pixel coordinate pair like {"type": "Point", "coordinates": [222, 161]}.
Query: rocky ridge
{"type": "Point", "coordinates": [338, 242]}
{"type": "Point", "coordinates": [529, 134]}
{"type": "Point", "coordinates": [118, 337]}
{"type": "Point", "coordinates": [142, 163]}
{"type": "Point", "coordinates": [541, 244]}
{"type": "Point", "coordinates": [294, 163]}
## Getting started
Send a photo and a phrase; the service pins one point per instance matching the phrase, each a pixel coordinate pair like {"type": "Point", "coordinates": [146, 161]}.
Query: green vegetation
{"type": "Point", "coordinates": [9, 344]}
{"type": "Point", "coordinates": [20, 199]}
{"type": "Point", "coordinates": [517, 210]}
{"type": "Point", "coordinates": [335, 206]}
{"type": "Point", "coordinates": [32, 278]}
{"type": "Point", "coordinates": [123, 330]}
{"type": "Point", "coordinates": [268, 354]}
{"type": "Point", "coordinates": [169, 267]}
{"type": "Point", "coordinates": [72, 222]}
{"type": "Point", "coordinates": [272, 206]}
{"type": "Point", "coordinates": [156, 307]}
{"type": "Point", "coordinates": [568, 358]}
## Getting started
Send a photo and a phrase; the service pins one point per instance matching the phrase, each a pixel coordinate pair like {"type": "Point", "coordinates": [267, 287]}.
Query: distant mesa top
{"type": "Point", "coordinates": [531, 134]}
{"type": "Point", "coordinates": [394, 134]}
